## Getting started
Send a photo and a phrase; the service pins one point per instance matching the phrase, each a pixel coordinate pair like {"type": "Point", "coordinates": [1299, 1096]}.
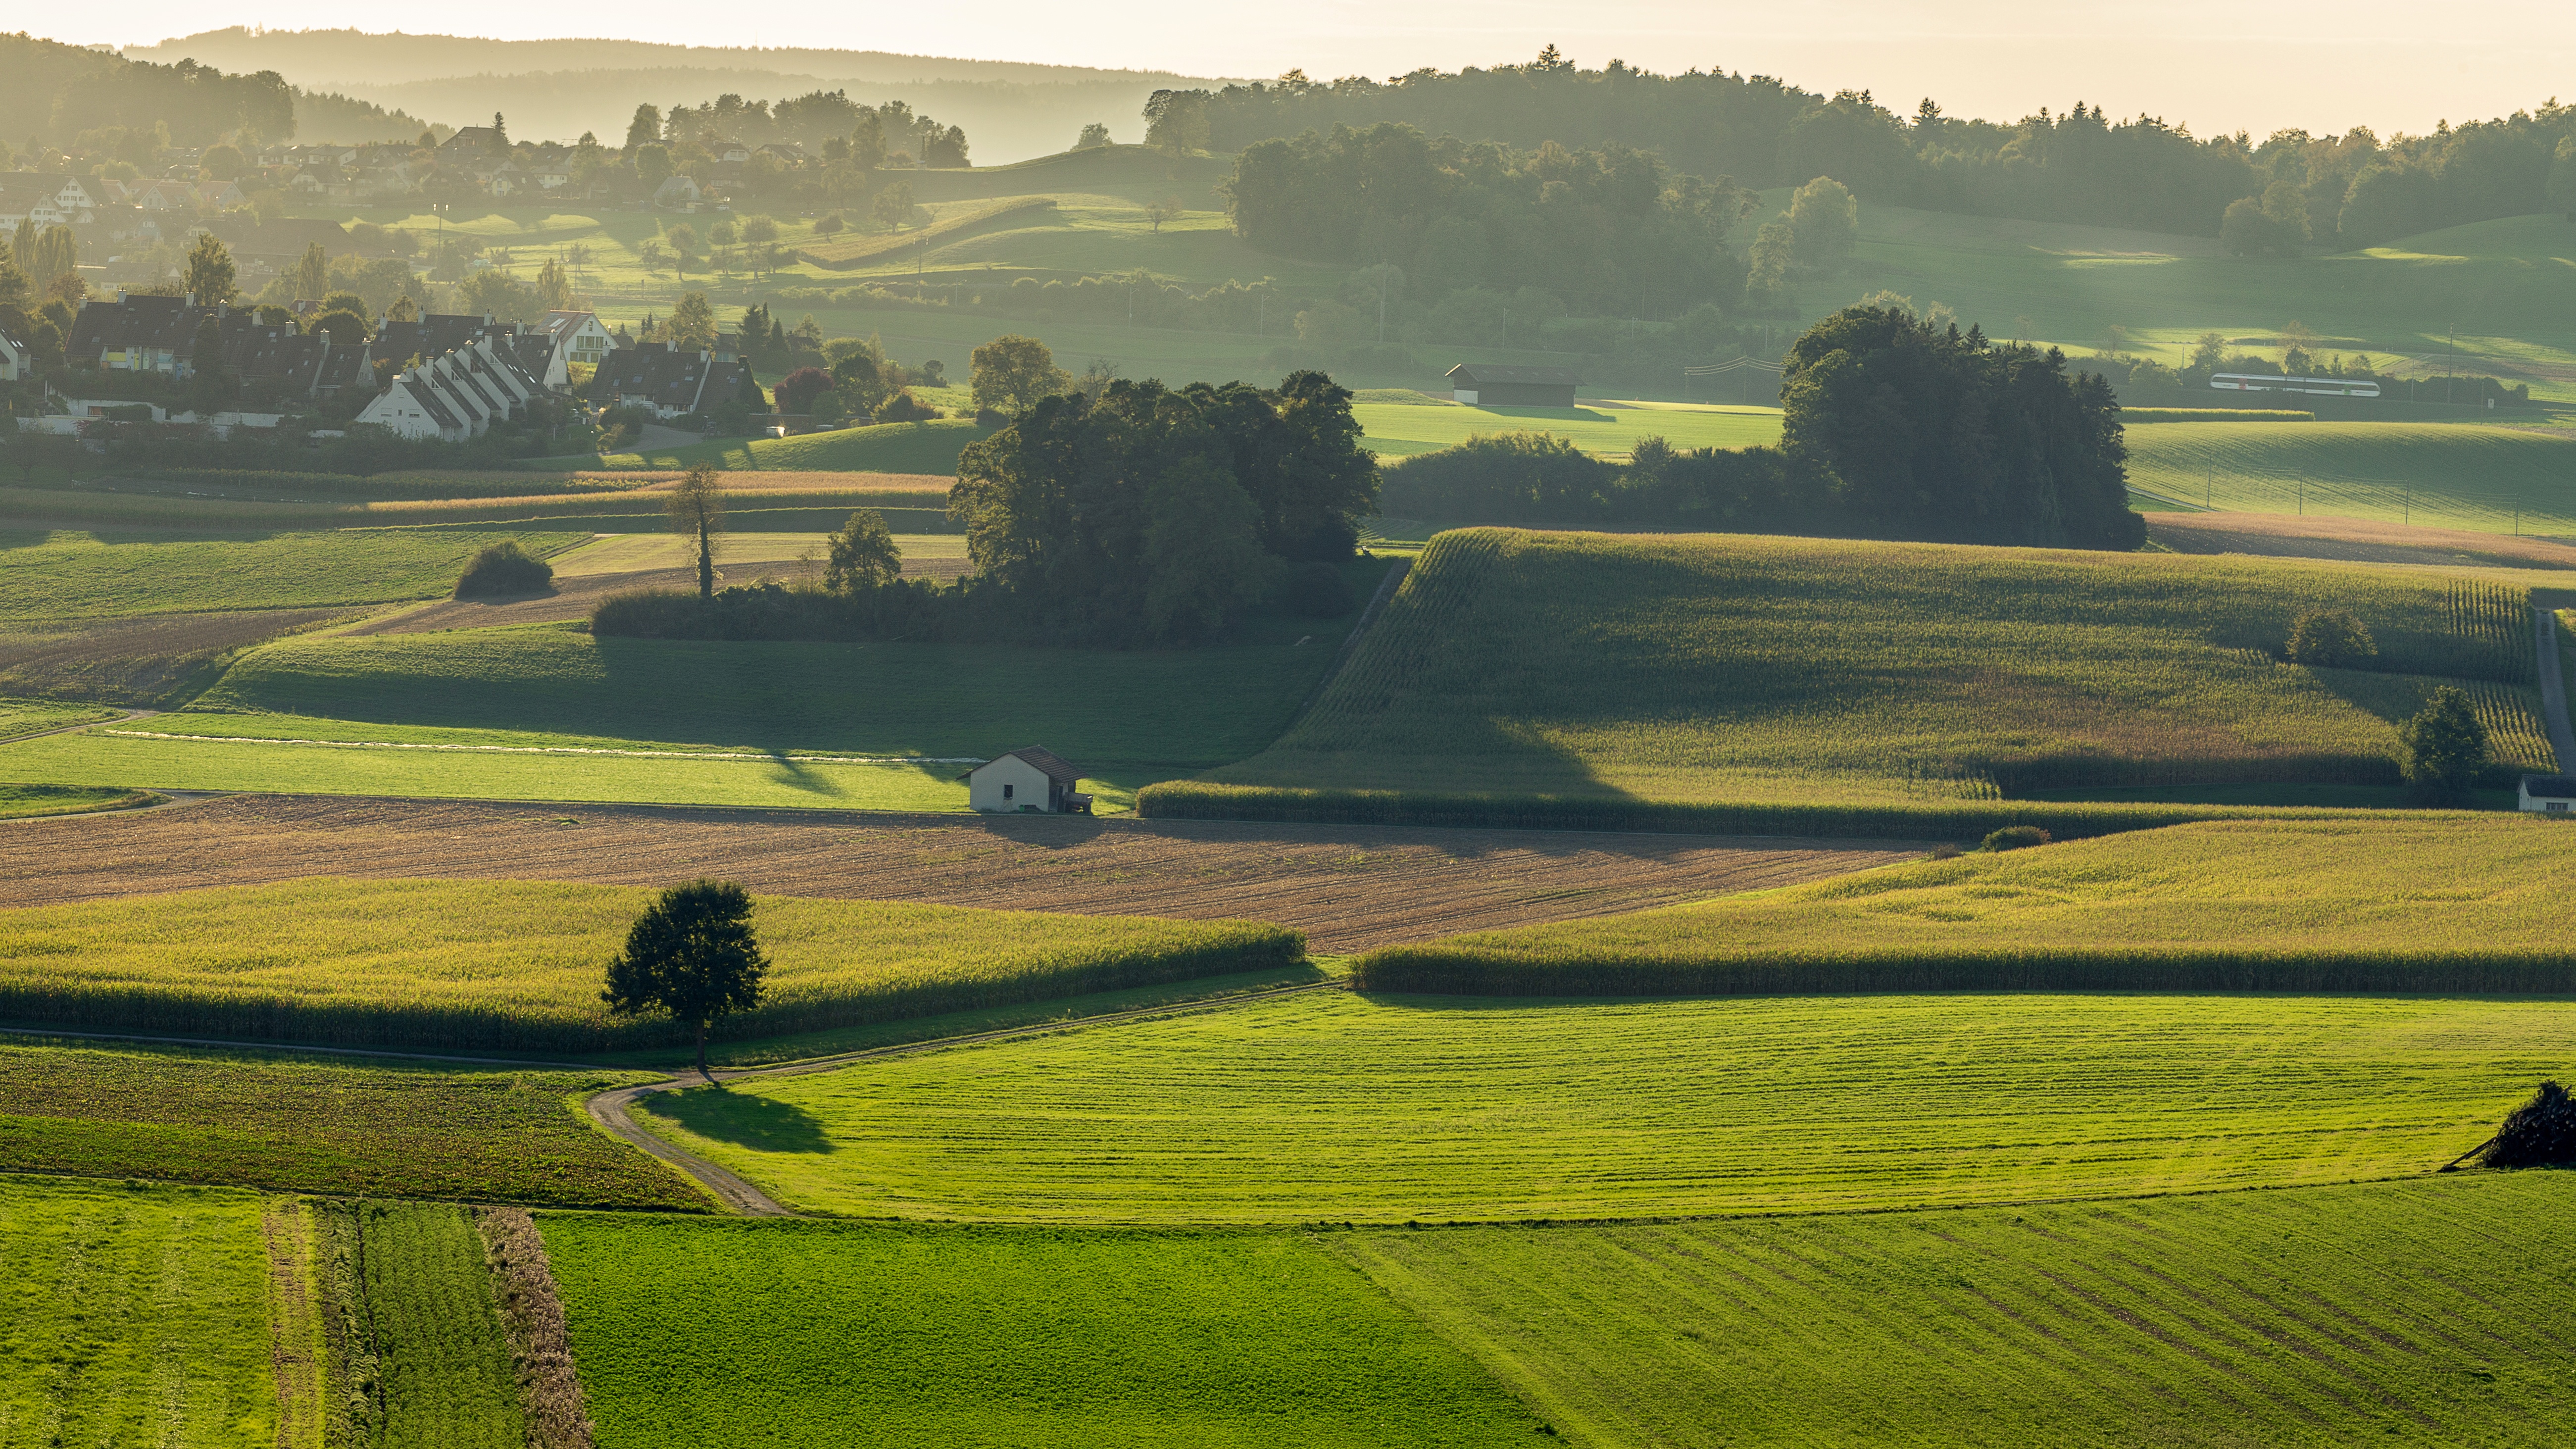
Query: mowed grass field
{"type": "Point", "coordinates": [53, 574]}
{"type": "Point", "coordinates": [1340, 1107]}
{"type": "Point", "coordinates": [2492, 479]}
{"type": "Point", "coordinates": [347, 1127]}
{"type": "Point", "coordinates": [23, 801]}
{"type": "Point", "coordinates": [819, 1335]}
{"type": "Point", "coordinates": [1722, 667]}
{"type": "Point", "coordinates": [2448, 903]}
{"type": "Point", "coordinates": [1398, 429]}
{"type": "Point", "coordinates": [27, 716]}
{"type": "Point", "coordinates": [133, 1315]}
{"type": "Point", "coordinates": [511, 966]}
{"type": "Point", "coordinates": [2413, 1312]}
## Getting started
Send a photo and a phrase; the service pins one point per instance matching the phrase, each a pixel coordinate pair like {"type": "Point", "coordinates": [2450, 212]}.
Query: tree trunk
{"type": "Point", "coordinates": [702, 1053]}
{"type": "Point", "coordinates": [706, 563]}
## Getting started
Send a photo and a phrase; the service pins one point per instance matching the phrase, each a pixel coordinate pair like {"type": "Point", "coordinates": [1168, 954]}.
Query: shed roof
{"type": "Point", "coordinates": [2553, 787]}
{"type": "Point", "coordinates": [1049, 764]}
{"type": "Point", "coordinates": [1474, 372]}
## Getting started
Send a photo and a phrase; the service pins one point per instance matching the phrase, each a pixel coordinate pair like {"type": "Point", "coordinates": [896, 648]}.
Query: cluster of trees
{"type": "Point", "coordinates": [849, 379]}
{"type": "Point", "coordinates": [2143, 381]}
{"type": "Point", "coordinates": [1614, 230]}
{"type": "Point", "coordinates": [2080, 165]}
{"type": "Point", "coordinates": [51, 89]}
{"type": "Point", "coordinates": [891, 133]}
{"type": "Point", "coordinates": [1894, 429]}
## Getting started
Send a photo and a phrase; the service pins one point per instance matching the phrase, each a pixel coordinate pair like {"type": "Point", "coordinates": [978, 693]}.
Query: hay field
{"type": "Point", "coordinates": [1610, 428]}
{"type": "Point", "coordinates": [516, 966]}
{"type": "Point", "coordinates": [63, 575]}
{"type": "Point", "coordinates": [135, 1314]}
{"type": "Point", "coordinates": [1334, 1107]}
{"type": "Point", "coordinates": [2390, 904]}
{"type": "Point", "coordinates": [1721, 667]}
{"type": "Point", "coordinates": [2412, 1312]}
{"type": "Point", "coordinates": [2446, 475]}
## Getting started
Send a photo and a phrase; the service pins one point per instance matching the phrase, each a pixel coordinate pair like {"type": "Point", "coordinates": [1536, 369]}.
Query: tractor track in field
{"type": "Point", "coordinates": [612, 1109]}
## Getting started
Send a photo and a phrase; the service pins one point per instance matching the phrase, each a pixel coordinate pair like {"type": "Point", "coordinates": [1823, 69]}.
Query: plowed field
{"type": "Point", "coordinates": [1348, 887]}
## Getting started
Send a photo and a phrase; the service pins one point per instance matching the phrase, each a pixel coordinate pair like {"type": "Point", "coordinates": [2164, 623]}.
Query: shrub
{"type": "Point", "coordinates": [903, 407]}
{"type": "Point", "coordinates": [797, 391]}
{"type": "Point", "coordinates": [504, 568]}
{"type": "Point", "coordinates": [2015, 837]}
{"type": "Point", "coordinates": [2330, 639]}
{"type": "Point", "coordinates": [2537, 1133]}
{"type": "Point", "coordinates": [1316, 591]}
{"type": "Point", "coordinates": [2444, 744]}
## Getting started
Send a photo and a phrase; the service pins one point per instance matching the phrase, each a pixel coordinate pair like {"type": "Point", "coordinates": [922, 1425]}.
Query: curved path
{"type": "Point", "coordinates": [87, 724]}
{"type": "Point", "coordinates": [612, 1109]}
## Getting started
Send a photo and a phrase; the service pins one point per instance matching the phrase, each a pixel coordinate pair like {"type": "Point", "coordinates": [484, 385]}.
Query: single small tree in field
{"type": "Point", "coordinates": [863, 555]}
{"type": "Point", "coordinates": [691, 955]}
{"type": "Point", "coordinates": [504, 568]}
{"type": "Point", "coordinates": [2014, 837]}
{"type": "Point", "coordinates": [1163, 211]}
{"type": "Point", "coordinates": [2330, 639]}
{"type": "Point", "coordinates": [2444, 745]}
{"type": "Point", "coordinates": [697, 510]}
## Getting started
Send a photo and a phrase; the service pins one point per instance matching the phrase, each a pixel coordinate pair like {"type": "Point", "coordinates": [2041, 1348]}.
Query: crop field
{"type": "Point", "coordinates": [2463, 476]}
{"type": "Point", "coordinates": [423, 1345]}
{"type": "Point", "coordinates": [1335, 1106]}
{"type": "Point", "coordinates": [817, 1334]}
{"type": "Point", "coordinates": [18, 802]}
{"type": "Point", "coordinates": [1713, 667]}
{"type": "Point", "coordinates": [2353, 540]}
{"type": "Point", "coordinates": [150, 659]}
{"type": "Point", "coordinates": [54, 575]}
{"type": "Point", "coordinates": [517, 966]}
{"type": "Point", "coordinates": [1398, 429]}
{"type": "Point", "coordinates": [345, 1127]}
{"type": "Point", "coordinates": [134, 1315]}
{"type": "Point", "coordinates": [786, 555]}
{"type": "Point", "coordinates": [916, 448]}
{"type": "Point", "coordinates": [2403, 1312]}
{"type": "Point", "coordinates": [2454, 904]}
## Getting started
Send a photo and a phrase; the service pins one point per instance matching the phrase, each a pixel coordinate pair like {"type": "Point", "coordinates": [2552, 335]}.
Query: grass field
{"type": "Point", "coordinates": [517, 966]}
{"type": "Point", "coordinates": [27, 716]}
{"type": "Point", "coordinates": [1342, 1107]}
{"type": "Point", "coordinates": [346, 1127]}
{"type": "Point", "coordinates": [1399, 429]}
{"type": "Point", "coordinates": [19, 802]}
{"type": "Point", "coordinates": [2492, 479]}
{"type": "Point", "coordinates": [2415, 1312]}
{"type": "Point", "coordinates": [782, 553]}
{"type": "Point", "coordinates": [65, 575]}
{"type": "Point", "coordinates": [930, 447]}
{"type": "Point", "coordinates": [2441, 905]}
{"type": "Point", "coordinates": [422, 1344]}
{"type": "Point", "coordinates": [134, 1315]}
{"type": "Point", "coordinates": [1715, 667]}
{"type": "Point", "coordinates": [814, 1334]}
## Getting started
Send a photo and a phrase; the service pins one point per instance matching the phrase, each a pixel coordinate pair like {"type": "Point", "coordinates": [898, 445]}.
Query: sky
{"type": "Point", "coordinates": [2216, 65]}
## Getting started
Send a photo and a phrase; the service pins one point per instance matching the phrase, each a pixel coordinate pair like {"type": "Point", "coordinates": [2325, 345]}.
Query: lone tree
{"type": "Point", "coordinates": [691, 955]}
{"type": "Point", "coordinates": [863, 555]}
{"type": "Point", "coordinates": [2444, 744]}
{"type": "Point", "coordinates": [697, 507]}
{"type": "Point", "coordinates": [2330, 639]}
{"type": "Point", "coordinates": [2539, 1133]}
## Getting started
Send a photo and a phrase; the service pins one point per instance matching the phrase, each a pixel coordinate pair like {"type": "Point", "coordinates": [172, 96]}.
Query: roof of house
{"type": "Point", "coordinates": [1474, 372]}
{"type": "Point", "coordinates": [1049, 764]}
{"type": "Point", "coordinates": [2554, 787]}
{"type": "Point", "coordinates": [427, 396]}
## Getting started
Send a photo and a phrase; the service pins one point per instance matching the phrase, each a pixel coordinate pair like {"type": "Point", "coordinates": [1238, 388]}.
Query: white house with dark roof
{"type": "Point", "coordinates": [13, 357]}
{"type": "Point", "coordinates": [2549, 794]}
{"type": "Point", "coordinates": [1031, 780]}
{"type": "Point", "coordinates": [458, 394]}
{"type": "Point", "coordinates": [1480, 384]}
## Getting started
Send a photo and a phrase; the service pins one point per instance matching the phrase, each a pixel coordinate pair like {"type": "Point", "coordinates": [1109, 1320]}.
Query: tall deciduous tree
{"type": "Point", "coordinates": [1010, 373]}
{"type": "Point", "coordinates": [862, 555]}
{"type": "Point", "coordinates": [691, 327]}
{"type": "Point", "coordinates": [693, 956]}
{"type": "Point", "coordinates": [697, 511]}
{"type": "Point", "coordinates": [208, 274]}
{"type": "Point", "coordinates": [312, 273]}
{"type": "Point", "coordinates": [2444, 744]}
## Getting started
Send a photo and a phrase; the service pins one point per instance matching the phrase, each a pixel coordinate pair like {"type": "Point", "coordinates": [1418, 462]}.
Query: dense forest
{"type": "Point", "coordinates": [57, 91]}
{"type": "Point", "coordinates": [2081, 165]}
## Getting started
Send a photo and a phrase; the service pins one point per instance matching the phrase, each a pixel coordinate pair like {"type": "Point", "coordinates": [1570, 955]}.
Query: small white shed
{"type": "Point", "coordinates": [1031, 780]}
{"type": "Point", "coordinates": [2549, 794]}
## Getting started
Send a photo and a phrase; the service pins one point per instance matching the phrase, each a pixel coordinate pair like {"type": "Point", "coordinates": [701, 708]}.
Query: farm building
{"type": "Point", "coordinates": [1480, 385]}
{"type": "Point", "coordinates": [2550, 794]}
{"type": "Point", "coordinates": [1032, 780]}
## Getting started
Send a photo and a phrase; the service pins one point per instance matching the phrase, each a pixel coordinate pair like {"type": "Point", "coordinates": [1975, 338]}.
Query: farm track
{"type": "Point", "coordinates": [1350, 888]}
{"type": "Point", "coordinates": [612, 1109]}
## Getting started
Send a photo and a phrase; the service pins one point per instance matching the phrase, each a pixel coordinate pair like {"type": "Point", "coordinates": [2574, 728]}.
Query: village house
{"type": "Point", "coordinates": [458, 394]}
{"type": "Point", "coordinates": [577, 337]}
{"type": "Point", "coordinates": [1479, 384]}
{"type": "Point", "coordinates": [2549, 794]}
{"type": "Point", "coordinates": [671, 383]}
{"type": "Point", "coordinates": [677, 191]}
{"type": "Point", "coordinates": [45, 200]}
{"type": "Point", "coordinates": [1031, 780]}
{"type": "Point", "coordinates": [13, 358]}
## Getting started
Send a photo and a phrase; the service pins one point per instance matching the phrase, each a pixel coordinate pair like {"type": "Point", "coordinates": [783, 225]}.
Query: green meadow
{"type": "Point", "coordinates": [62, 574]}
{"type": "Point", "coordinates": [2491, 479]}
{"type": "Point", "coordinates": [1383, 1109]}
{"type": "Point", "coordinates": [28, 716]}
{"type": "Point", "coordinates": [21, 801]}
{"type": "Point", "coordinates": [1399, 429]}
{"type": "Point", "coordinates": [825, 1335]}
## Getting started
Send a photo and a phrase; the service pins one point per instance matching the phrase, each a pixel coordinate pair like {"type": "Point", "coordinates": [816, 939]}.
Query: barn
{"type": "Point", "coordinates": [1482, 385]}
{"type": "Point", "coordinates": [2549, 794]}
{"type": "Point", "coordinates": [1026, 780]}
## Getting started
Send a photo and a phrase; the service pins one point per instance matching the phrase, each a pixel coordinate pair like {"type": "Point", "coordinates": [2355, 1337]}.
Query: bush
{"type": "Point", "coordinates": [2330, 639]}
{"type": "Point", "coordinates": [903, 407]}
{"type": "Point", "coordinates": [1316, 591]}
{"type": "Point", "coordinates": [2538, 1133]}
{"type": "Point", "coordinates": [504, 568]}
{"type": "Point", "coordinates": [2444, 744]}
{"type": "Point", "coordinates": [2015, 837]}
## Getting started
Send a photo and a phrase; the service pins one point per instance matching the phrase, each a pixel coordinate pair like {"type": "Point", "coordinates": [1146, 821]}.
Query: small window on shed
{"type": "Point", "coordinates": [1006, 792]}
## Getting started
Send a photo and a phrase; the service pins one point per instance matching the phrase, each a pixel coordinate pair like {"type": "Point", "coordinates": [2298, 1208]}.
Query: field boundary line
{"type": "Point", "coordinates": [2552, 676]}
{"type": "Point", "coordinates": [1351, 646]}
{"type": "Point", "coordinates": [2173, 502]}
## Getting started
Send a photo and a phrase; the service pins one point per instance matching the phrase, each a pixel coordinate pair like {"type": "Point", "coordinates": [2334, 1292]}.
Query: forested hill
{"type": "Point", "coordinates": [51, 92]}
{"type": "Point", "coordinates": [2080, 166]}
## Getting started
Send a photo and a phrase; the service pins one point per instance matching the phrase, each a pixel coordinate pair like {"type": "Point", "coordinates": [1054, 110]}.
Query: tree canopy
{"type": "Point", "coordinates": [691, 954]}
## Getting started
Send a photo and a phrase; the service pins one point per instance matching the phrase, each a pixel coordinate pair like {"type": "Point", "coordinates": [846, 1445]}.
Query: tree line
{"type": "Point", "coordinates": [53, 90]}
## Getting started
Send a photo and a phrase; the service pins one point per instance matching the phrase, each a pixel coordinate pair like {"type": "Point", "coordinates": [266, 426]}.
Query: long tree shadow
{"type": "Point", "coordinates": [762, 1124]}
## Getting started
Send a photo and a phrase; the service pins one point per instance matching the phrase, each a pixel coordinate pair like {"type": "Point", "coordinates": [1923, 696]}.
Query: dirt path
{"type": "Point", "coordinates": [1350, 888]}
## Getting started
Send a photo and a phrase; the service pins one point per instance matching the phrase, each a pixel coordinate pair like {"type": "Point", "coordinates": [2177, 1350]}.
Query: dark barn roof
{"type": "Point", "coordinates": [2554, 787]}
{"type": "Point", "coordinates": [1472, 373]}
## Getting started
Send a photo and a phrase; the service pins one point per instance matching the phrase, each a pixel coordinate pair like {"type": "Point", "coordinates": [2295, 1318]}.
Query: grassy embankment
{"type": "Point", "coordinates": [815, 1334]}
{"type": "Point", "coordinates": [1761, 684]}
{"type": "Point", "coordinates": [1383, 1109]}
{"type": "Point", "coordinates": [514, 966]}
{"type": "Point", "coordinates": [2447, 904]}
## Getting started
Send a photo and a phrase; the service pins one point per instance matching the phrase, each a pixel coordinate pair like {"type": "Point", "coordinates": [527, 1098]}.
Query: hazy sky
{"type": "Point", "coordinates": [2219, 65]}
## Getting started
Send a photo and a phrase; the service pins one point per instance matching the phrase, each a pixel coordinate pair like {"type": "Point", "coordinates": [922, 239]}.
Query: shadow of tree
{"type": "Point", "coordinates": [762, 1124]}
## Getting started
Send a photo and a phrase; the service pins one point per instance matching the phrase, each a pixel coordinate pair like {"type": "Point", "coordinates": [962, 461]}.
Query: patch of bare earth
{"type": "Point", "coordinates": [141, 660]}
{"type": "Point", "coordinates": [294, 1330]}
{"type": "Point", "coordinates": [1350, 888]}
{"type": "Point", "coordinates": [2351, 540]}
{"type": "Point", "coordinates": [532, 1314]}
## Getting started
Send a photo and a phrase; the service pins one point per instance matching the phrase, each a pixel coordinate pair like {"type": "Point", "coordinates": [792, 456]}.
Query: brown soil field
{"type": "Point", "coordinates": [2352, 540]}
{"type": "Point", "coordinates": [1350, 888]}
{"type": "Point", "coordinates": [136, 661]}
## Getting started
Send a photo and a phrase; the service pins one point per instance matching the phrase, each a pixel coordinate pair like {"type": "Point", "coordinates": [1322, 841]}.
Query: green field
{"type": "Point", "coordinates": [133, 1315]}
{"type": "Point", "coordinates": [1342, 1107]}
{"type": "Point", "coordinates": [508, 966]}
{"type": "Point", "coordinates": [1398, 429]}
{"type": "Point", "coordinates": [2491, 479]}
{"type": "Point", "coordinates": [930, 447]}
{"type": "Point", "coordinates": [2445, 904]}
{"type": "Point", "coordinates": [27, 716]}
{"type": "Point", "coordinates": [1717, 667]}
{"type": "Point", "coordinates": [2415, 1312]}
{"type": "Point", "coordinates": [422, 1347]}
{"type": "Point", "coordinates": [19, 802]}
{"type": "Point", "coordinates": [66, 575]}
{"type": "Point", "coordinates": [786, 1335]}
{"type": "Point", "coordinates": [346, 1126]}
